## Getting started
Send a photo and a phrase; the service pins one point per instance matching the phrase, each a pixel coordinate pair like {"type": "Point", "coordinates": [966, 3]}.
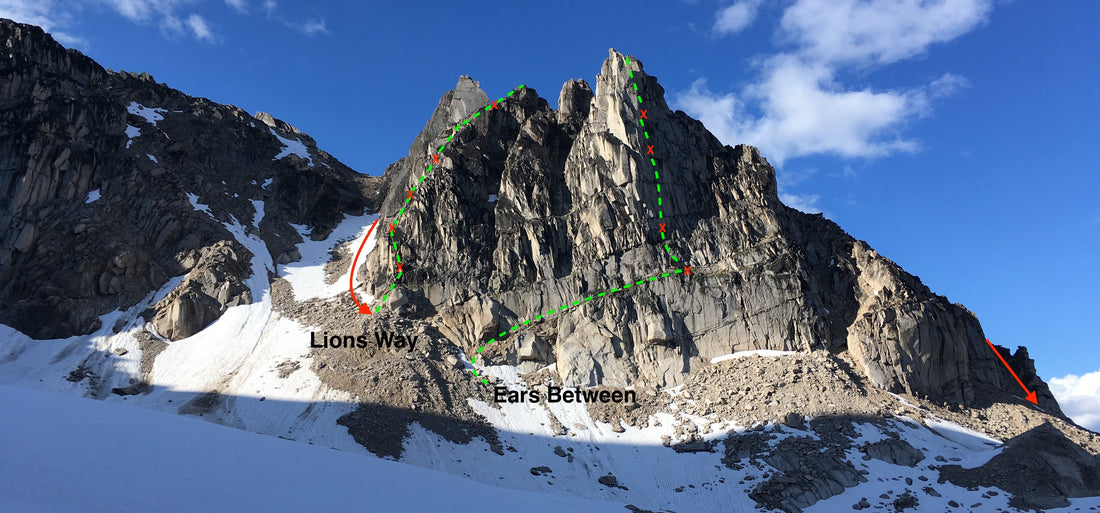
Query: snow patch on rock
{"type": "Point", "coordinates": [150, 115]}
{"type": "Point", "coordinates": [132, 132]}
{"type": "Point", "coordinates": [291, 147]}
{"type": "Point", "coordinates": [756, 352]}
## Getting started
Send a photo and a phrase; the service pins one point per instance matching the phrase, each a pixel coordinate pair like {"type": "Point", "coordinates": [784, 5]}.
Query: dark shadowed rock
{"type": "Point", "coordinates": [894, 450]}
{"type": "Point", "coordinates": [610, 481]}
{"type": "Point", "coordinates": [71, 128]}
{"type": "Point", "coordinates": [1040, 468]}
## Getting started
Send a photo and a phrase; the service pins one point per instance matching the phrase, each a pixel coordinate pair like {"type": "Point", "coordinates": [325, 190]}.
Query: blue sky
{"type": "Point", "coordinates": [957, 137]}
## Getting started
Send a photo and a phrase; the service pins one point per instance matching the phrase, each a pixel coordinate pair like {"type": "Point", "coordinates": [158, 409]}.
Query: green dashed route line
{"type": "Point", "coordinates": [504, 334]}
{"type": "Point", "coordinates": [392, 228]}
{"type": "Point", "coordinates": [652, 161]}
{"type": "Point", "coordinates": [660, 216]}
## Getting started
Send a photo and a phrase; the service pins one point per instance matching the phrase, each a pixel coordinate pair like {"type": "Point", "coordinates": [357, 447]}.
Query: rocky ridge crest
{"type": "Point", "coordinates": [535, 207]}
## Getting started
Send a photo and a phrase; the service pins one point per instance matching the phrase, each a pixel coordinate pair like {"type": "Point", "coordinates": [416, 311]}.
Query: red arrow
{"type": "Point", "coordinates": [1030, 393]}
{"type": "Point", "coordinates": [363, 309]}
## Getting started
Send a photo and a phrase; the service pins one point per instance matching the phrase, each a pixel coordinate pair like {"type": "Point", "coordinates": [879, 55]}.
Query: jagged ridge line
{"type": "Point", "coordinates": [660, 215]}
{"type": "Point", "coordinates": [504, 334]}
{"type": "Point", "coordinates": [402, 211]}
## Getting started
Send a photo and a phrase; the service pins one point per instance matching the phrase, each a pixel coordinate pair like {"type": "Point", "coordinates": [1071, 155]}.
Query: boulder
{"type": "Point", "coordinates": [25, 240]}
{"type": "Point", "coordinates": [530, 347]}
{"type": "Point", "coordinates": [895, 451]}
{"type": "Point", "coordinates": [1041, 468]}
{"type": "Point", "coordinates": [186, 314]}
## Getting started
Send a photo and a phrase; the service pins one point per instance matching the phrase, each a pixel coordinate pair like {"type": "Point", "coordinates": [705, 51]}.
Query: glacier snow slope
{"type": "Point", "coordinates": [66, 454]}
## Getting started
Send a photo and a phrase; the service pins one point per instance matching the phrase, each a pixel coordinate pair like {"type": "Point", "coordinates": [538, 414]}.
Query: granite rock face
{"type": "Point", "coordinates": [103, 180]}
{"type": "Point", "coordinates": [208, 289]}
{"type": "Point", "coordinates": [532, 208]}
{"type": "Point", "coordinates": [112, 184]}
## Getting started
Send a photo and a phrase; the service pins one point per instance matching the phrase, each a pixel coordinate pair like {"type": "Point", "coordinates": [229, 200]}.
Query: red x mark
{"type": "Point", "coordinates": [400, 267]}
{"type": "Point", "coordinates": [688, 270]}
{"type": "Point", "coordinates": [494, 104]}
{"type": "Point", "coordinates": [662, 227]}
{"type": "Point", "coordinates": [410, 194]}
{"type": "Point", "coordinates": [435, 159]}
{"type": "Point", "coordinates": [648, 150]}
{"type": "Point", "coordinates": [643, 114]}
{"type": "Point", "coordinates": [393, 227]}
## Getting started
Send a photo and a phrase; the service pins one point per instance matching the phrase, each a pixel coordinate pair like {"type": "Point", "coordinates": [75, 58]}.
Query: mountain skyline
{"type": "Point", "coordinates": [941, 189]}
{"type": "Point", "coordinates": [612, 256]}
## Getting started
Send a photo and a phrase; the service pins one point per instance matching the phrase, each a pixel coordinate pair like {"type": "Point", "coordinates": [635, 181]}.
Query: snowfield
{"type": "Point", "coordinates": [307, 275]}
{"type": "Point", "coordinates": [74, 455]}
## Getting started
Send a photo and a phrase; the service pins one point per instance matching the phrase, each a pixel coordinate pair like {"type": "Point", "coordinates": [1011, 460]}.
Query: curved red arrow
{"type": "Point", "coordinates": [363, 309]}
{"type": "Point", "coordinates": [1030, 393]}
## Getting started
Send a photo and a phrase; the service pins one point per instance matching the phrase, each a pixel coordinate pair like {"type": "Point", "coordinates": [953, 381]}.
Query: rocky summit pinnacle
{"type": "Point", "coordinates": [574, 210]}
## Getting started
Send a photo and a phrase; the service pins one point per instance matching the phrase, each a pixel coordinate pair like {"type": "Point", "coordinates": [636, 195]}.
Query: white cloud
{"type": "Point", "coordinates": [241, 6]}
{"type": "Point", "coordinates": [877, 31]}
{"type": "Point", "coordinates": [45, 14]}
{"type": "Point", "coordinates": [790, 178]}
{"type": "Point", "coordinates": [736, 17]}
{"type": "Point", "coordinates": [720, 113]}
{"type": "Point", "coordinates": [805, 112]}
{"type": "Point", "coordinates": [195, 25]}
{"type": "Point", "coordinates": [808, 203]}
{"type": "Point", "coordinates": [309, 27]}
{"type": "Point", "coordinates": [142, 10]}
{"type": "Point", "coordinates": [804, 202]}
{"type": "Point", "coordinates": [132, 9]}
{"type": "Point", "coordinates": [170, 15]}
{"type": "Point", "coordinates": [171, 26]}
{"type": "Point", "coordinates": [947, 85]}
{"type": "Point", "coordinates": [799, 105]}
{"type": "Point", "coordinates": [1079, 397]}
{"type": "Point", "coordinates": [200, 28]}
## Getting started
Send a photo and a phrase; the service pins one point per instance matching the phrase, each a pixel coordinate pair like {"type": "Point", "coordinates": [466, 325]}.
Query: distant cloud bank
{"type": "Point", "coordinates": [1079, 397]}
